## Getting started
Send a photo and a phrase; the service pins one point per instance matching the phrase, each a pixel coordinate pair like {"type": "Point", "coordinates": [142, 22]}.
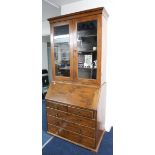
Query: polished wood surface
{"type": "Point", "coordinates": [80, 14]}
{"type": "Point", "coordinates": [104, 50]}
{"type": "Point", "coordinates": [72, 20]}
{"type": "Point", "coordinates": [75, 106]}
{"type": "Point", "coordinates": [99, 137]}
{"type": "Point", "coordinates": [83, 130]}
{"type": "Point", "coordinates": [81, 112]}
{"type": "Point", "coordinates": [61, 78]}
{"type": "Point", "coordinates": [90, 142]}
{"type": "Point", "coordinates": [98, 18]}
{"type": "Point", "coordinates": [56, 105]}
{"type": "Point", "coordinates": [72, 109]}
{"type": "Point", "coordinates": [72, 118]}
{"type": "Point", "coordinates": [77, 95]}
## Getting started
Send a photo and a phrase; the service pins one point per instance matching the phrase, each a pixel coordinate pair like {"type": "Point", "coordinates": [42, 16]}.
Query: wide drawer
{"type": "Point", "coordinates": [81, 112]}
{"type": "Point", "coordinates": [71, 118]}
{"type": "Point", "coordinates": [52, 129]}
{"type": "Point", "coordinates": [72, 136]}
{"type": "Point", "coordinates": [71, 126]}
{"type": "Point", "coordinates": [56, 105]}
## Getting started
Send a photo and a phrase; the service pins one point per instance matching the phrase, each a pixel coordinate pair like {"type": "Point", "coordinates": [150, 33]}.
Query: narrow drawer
{"type": "Point", "coordinates": [56, 105]}
{"type": "Point", "coordinates": [71, 118]}
{"type": "Point", "coordinates": [81, 112]}
{"type": "Point", "coordinates": [71, 126]}
{"type": "Point", "coordinates": [76, 138]}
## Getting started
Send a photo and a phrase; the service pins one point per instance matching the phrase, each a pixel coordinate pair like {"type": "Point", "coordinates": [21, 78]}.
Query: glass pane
{"type": "Point", "coordinates": [61, 50]}
{"type": "Point", "coordinates": [87, 49]}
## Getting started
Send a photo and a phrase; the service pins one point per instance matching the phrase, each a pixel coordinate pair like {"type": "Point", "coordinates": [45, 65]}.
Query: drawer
{"type": "Point", "coordinates": [71, 118]}
{"type": "Point", "coordinates": [73, 136]}
{"type": "Point", "coordinates": [71, 126]}
{"type": "Point", "coordinates": [52, 129]}
{"type": "Point", "coordinates": [81, 112]}
{"type": "Point", "coordinates": [56, 105]}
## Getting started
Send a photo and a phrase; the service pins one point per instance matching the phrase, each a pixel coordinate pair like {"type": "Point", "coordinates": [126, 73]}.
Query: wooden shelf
{"type": "Point", "coordinates": [89, 51]}
{"type": "Point", "coordinates": [65, 68]}
{"type": "Point", "coordinates": [86, 68]}
{"type": "Point", "coordinates": [87, 36]}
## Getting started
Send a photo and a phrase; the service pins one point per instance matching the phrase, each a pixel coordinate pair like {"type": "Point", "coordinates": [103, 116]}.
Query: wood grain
{"type": "Point", "coordinates": [62, 78]}
{"type": "Point", "coordinates": [75, 107]}
{"type": "Point", "coordinates": [75, 95]}
{"type": "Point", "coordinates": [72, 118]}
{"type": "Point", "coordinates": [72, 20]}
{"type": "Point", "coordinates": [80, 14]}
{"type": "Point", "coordinates": [72, 136]}
{"type": "Point", "coordinates": [98, 18]}
{"type": "Point", "coordinates": [71, 126]}
{"type": "Point", "coordinates": [98, 141]}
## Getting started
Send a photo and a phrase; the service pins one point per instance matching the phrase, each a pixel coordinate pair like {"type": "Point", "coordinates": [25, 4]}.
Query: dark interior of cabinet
{"type": "Point", "coordinates": [61, 50]}
{"type": "Point", "coordinates": [87, 49]}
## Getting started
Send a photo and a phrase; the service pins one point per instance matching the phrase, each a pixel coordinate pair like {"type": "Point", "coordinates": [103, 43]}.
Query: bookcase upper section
{"type": "Point", "coordinates": [78, 47]}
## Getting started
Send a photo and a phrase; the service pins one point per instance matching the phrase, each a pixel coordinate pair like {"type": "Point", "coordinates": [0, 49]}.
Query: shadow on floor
{"type": "Point", "coordinates": [58, 146]}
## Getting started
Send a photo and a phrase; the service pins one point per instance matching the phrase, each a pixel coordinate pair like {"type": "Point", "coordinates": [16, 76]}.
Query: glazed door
{"type": "Point", "coordinates": [87, 49]}
{"type": "Point", "coordinates": [62, 54]}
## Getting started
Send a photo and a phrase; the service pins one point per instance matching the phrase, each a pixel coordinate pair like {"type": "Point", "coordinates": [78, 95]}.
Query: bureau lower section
{"type": "Point", "coordinates": [74, 124]}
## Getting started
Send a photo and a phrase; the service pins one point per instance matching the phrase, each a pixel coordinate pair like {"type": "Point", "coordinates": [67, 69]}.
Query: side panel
{"type": "Point", "coordinates": [104, 49]}
{"type": "Point", "coordinates": [101, 108]}
{"type": "Point", "coordinates": [78, 66]}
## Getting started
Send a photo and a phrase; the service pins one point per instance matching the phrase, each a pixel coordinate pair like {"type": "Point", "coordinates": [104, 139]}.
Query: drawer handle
{"type": "Point", "coordinates": [56, 115]}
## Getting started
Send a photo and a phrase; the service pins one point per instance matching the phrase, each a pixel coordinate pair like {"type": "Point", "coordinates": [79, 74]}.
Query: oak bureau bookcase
{"type": "Point", "coordinates": [75, 101]}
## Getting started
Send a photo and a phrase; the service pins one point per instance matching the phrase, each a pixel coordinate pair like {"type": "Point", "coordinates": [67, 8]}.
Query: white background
{"type": "Point", "coordinates": [130, 74]}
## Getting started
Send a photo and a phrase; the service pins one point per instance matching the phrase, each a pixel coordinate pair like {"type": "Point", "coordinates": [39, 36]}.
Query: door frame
{"type": "Point", "coordinates": [62, 78]}
{"type": "Point", "coordinates": [99, 48]}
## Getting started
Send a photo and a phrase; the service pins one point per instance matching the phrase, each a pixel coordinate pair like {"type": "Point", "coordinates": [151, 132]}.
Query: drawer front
{"type": "Point", "coordinates": [56, 105]}
{"type": "Point", "coordinates": [71, 118]}
{"type": "Point", "coordinates": [81, 112]}
{"type": "Point", "coordinates": [71, 126]}
{"type": "Point", "coordinates": [73, 136]}
{"type": "Point", "coordinates": [52, 129]}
